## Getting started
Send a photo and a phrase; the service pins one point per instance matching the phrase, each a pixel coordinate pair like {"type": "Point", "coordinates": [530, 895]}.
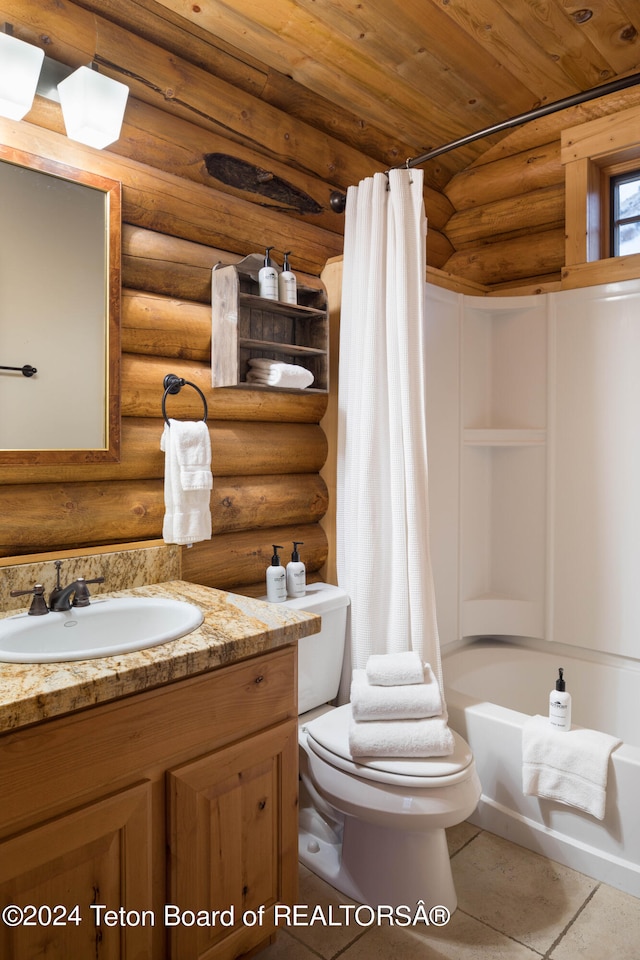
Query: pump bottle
{"type": "Point", "coordinates": [560, 704]}
{"type": "Point", "coordinates": [276, 578]}
{"type": "Point", "coordinates": [268, 278]}
{"type": "Point", "coordinates": [296, 573]}
{"type": "Point", "coordinates": [287, 285]}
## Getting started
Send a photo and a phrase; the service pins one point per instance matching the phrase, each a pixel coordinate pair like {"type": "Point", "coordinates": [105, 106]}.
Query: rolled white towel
{"type": "Point", "coordinates": [392, 669]}
{"type": "Point", "coordinates": [568, 766]}
{"type": "Point", "coordinates": [276, 373]}
{"type": "Point", "coordinates": [401, 738]}
{"type": "Point", "coordinates": [409, 701]}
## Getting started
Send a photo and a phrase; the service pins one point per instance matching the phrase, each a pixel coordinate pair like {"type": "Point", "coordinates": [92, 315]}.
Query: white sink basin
{"type": "Point", "coordinates": [108, 626]}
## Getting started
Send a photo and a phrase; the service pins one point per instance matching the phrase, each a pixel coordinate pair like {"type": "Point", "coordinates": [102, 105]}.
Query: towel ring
{"type": "Point", "coordinates": [174, 384]}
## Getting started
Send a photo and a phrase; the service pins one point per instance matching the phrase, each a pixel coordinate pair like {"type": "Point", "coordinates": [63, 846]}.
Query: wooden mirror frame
{"type": "Point", "coordinates": [113, 199]}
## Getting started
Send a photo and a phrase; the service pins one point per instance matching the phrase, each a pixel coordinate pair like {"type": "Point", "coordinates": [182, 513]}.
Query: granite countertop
{"type": "Point", "coordinates": [234, 628]}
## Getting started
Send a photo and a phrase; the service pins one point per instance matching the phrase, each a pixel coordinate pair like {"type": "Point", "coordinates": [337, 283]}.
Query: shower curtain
{"type": "Point", "coordinates": [383, 557]}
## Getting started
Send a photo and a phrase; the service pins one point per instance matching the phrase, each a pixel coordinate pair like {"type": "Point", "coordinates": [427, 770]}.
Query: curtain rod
{"type": "Point", "coordinates": [337, 200]}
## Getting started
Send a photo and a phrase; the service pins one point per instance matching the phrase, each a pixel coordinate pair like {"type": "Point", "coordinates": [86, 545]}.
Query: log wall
{"type": "Point", "coordinates": [508, 228]}
{"type": "Point", "coordinates": [195, 113]}
{"type": "Point", "coordinates": [267, 447]}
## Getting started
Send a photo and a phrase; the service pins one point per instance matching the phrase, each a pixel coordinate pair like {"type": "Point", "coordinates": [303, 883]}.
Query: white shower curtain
{"type": "Point", "coordinates": [383, 556]}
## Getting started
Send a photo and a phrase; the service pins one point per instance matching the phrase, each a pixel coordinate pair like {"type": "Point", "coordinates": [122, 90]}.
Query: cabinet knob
{"type": "Point", "coordinates": [259, 679]}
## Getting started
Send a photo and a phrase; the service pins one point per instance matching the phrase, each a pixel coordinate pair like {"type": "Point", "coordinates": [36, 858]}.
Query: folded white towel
{"type": "Point", "coordinates": [187, 482]}
{"type": "Point", "coordinates": [430, 737]}
{"type": "Point", "coordinates": [409, 701]}
{"type": "Point", "coordinates": [391, 669]}
{"type": "Point", "coordinates": [568, 766]}
{"type": "Point", "coordinates": [275, 373]}
{"type": "Point", "coordinates": [193, 450]}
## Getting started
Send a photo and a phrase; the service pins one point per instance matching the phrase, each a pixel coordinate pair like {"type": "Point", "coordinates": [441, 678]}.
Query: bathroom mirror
{"type": "Point", "coordinates": [59, 312]}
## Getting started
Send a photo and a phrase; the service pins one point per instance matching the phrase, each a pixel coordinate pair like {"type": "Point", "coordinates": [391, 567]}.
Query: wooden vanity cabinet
{"type": "Point", "coordinates": [157, 826]}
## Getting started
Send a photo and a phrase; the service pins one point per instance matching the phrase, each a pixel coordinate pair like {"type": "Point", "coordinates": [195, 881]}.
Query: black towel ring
{"type": "Point", "coordinates": [174, 384]}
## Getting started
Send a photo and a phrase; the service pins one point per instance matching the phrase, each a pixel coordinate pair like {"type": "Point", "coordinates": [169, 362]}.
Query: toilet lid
{"type": "Point", "coordinates": [330, 732]}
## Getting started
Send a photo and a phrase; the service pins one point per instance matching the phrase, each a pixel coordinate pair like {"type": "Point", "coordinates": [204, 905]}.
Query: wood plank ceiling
{"type": "Point", "coordinates": [312, 95]}
{"type": "Point", "coordinates": [414, 74]}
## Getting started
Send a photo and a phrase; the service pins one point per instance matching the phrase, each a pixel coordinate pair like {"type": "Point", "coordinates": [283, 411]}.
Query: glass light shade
{"type": "Point", "coordinates": [20, 65]}
{"type": "Point", "coordinates": [92, 106]}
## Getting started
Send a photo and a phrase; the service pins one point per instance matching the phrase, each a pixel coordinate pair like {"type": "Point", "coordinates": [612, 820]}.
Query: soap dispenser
{"type": "Point", "coordinates": [276, 578]}
{"type": "Point", "coordinates": [296, 573]}
{"type": "Point", "coordinates": [287, 285]}
{"type": "Point", "coordinates": [560, 704]}
{"type": "Point", "coordinates": [268, 278]}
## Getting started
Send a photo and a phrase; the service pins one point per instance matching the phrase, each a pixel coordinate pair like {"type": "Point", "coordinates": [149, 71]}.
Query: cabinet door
{"type": "Point", "coordinates": [98, 854]}
{"type": "Point", "coordinates": [233, 844]}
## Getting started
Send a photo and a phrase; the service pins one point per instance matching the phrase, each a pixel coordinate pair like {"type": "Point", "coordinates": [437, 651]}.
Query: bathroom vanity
{"type": "Point", "coordinates": [148, 801]}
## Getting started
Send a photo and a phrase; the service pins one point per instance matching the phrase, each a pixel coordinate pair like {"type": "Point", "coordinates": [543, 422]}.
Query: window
{"type": "Point", "coordinates": [601, 159]}
{"type": "Point", "coordinates": [625, 214]}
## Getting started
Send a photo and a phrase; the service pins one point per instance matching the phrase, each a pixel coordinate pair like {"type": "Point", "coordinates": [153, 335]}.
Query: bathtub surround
{"type": "Point", "coordinates": [383, 556]}
{"type": "Point", "coordinates": [572, 769]}
{"type": "Point", "coordinates": [534, 466]}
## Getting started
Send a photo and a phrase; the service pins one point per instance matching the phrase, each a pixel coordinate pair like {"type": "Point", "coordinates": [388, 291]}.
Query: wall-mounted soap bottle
{"type": "Point", "coordinates": [276, 578]}
{"type": "Point", "coordinates": [287, 285]}
{"type": "Point", "coordinates": [296, 573]}
{"type": "Point", "coordinates": [560, 704]}
{"type": "Point", "coordinates": [268, 278]}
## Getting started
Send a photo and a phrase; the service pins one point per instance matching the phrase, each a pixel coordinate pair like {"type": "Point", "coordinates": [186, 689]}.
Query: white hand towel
{"type": "Point", "coordinates": [391, 669]}
{"type": "Point", "coordinates": [569, 766]}
{"type": "Point", "coordinates": [187, 517]}
{"type": "Point", "coordinates": [193, 450]}
{"type": "Point", "coordinates": [276, 373]}
{"type": "Point", "coordinates": [401, 738]}
{"type": "Point", "coordinates": [409, 701]}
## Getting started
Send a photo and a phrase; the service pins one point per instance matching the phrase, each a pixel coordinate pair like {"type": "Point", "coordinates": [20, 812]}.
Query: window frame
{"type": "Point", "coordinates": [591, 154]}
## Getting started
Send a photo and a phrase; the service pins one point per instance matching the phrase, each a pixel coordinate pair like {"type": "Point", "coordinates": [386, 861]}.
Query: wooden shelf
{"type": "Point", "coordinates": [246, 326]}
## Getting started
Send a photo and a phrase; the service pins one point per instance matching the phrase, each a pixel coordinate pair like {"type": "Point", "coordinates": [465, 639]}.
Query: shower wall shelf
{"type": "Point", "coordinates": [503, 466]}
{"type": "Point", "coordinates": [503, 437]}
{"type": "Point", "coordinates": [247, 326]}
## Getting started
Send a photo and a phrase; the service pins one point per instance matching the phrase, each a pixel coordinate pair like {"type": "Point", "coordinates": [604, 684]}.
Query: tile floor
{"type": "Point", "coordinates": [512, 905]}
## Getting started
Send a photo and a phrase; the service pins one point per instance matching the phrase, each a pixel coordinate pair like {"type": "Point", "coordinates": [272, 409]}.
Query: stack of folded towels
{"type": "Point", "coordinates": [397, 709]}
{"type": "Point", "coordinates": [274, 373]}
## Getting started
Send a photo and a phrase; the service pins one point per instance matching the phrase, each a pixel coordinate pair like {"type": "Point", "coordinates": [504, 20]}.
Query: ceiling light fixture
{"type": "Point", "coordinates": [20, 65]}
{"type": "Point", "coordinates": [92, 104]}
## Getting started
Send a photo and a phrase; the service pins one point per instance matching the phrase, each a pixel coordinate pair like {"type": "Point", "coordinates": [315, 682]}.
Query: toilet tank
{"type": "Point", "coordinates": [320, 655]}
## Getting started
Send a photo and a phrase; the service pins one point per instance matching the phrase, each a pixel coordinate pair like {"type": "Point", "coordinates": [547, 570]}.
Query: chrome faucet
{"type": "Point", "coordinates": [60, 597]}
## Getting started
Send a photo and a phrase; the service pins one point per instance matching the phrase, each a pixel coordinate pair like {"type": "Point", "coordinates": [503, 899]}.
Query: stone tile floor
{"type": "Point", "coordinates": [512, 905]}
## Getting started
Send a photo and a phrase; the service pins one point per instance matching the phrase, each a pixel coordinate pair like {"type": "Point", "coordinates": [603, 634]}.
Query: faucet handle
{"type": "Point", "coordinates": [38, 605]}
{"type": "Point", "coordinates": [81, 596]}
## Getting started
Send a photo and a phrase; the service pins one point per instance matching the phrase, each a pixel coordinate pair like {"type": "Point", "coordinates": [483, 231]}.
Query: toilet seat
{"type": "Point", "coordinates": [328, 738]}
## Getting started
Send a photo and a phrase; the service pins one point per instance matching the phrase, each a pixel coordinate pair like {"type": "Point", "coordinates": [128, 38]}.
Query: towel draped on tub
{"type": "Point", "coordinates": [569, 766]}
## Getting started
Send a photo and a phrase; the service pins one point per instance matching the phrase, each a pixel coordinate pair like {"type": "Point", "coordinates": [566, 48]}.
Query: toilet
{"type": "Point", "coordinates": [375, 828]}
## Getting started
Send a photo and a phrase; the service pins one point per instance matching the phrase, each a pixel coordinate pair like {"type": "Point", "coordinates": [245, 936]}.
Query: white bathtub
{"type": "Point", "coordinates": [491, 686]}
